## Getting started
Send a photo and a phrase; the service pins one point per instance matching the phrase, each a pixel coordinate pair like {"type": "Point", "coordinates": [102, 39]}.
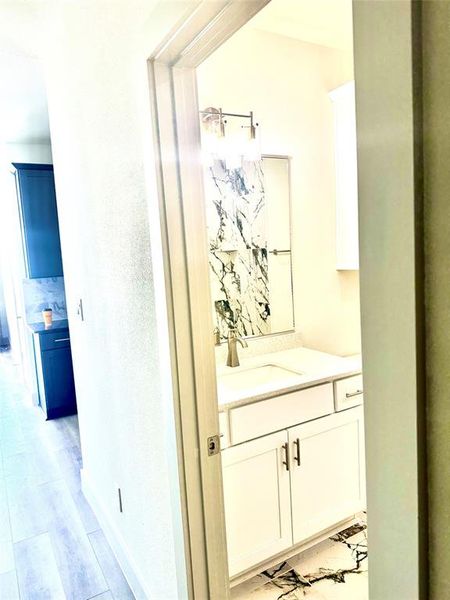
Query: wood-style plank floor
{"type": "Point", "coordinates": [51, 545]}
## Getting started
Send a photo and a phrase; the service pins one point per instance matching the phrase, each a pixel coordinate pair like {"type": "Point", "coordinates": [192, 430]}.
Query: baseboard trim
{"type": "Point", "coordinates": [115, 540]}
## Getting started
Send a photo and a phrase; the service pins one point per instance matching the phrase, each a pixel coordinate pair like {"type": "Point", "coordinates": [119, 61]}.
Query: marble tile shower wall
{"type": "Point", "coordinates": [42, 293]}
{"type": "Point", "coordinates": [237, 234]}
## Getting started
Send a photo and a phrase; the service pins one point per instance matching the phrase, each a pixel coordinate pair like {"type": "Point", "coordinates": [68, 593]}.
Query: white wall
{"type": "Point", "coordinates": [286, 83]}
{"type": "Point", "coordinates": [30, 153]}
{"type": "Point", "coordinates": [99, 112]}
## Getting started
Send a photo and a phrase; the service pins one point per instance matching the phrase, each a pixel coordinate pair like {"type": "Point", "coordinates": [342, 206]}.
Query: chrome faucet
{"type": "Point", "coordinates": [233, 337]}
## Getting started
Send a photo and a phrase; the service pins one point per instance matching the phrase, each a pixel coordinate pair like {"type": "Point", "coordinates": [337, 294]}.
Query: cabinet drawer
{"type": "Point", "coordinates": [254, 420]}
{"type": "Point", "coordinates": [58, 339]}
{"type": "Point", "coordinates": [348, 392]}
{"type": "Point", "coordinates": [224, 430]}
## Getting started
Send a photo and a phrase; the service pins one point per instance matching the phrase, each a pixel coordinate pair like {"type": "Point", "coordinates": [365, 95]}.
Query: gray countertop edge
{"type": "Point", "coordinates": [39, 328]}
{"type": "Point", "coordinates": [312, 382]}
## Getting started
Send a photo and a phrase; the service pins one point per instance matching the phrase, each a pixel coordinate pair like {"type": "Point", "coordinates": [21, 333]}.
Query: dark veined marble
{"type": "Point", "coordinates": [335, 569]}
{"type": "Point", "coordinates": [237, 233]}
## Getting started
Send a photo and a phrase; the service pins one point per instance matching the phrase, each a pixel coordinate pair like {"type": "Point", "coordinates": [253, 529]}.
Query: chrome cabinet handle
{"type": "Point", "coordinates": [353, 394]}
{"type": "Point", "coordinates": [285, 447]}
{"type": "Point", "coordinates": [62, 340]}
{"type": "Point", "coordinates": [297, 452]}
{"type": "Point", "coordinates": [275, 251]}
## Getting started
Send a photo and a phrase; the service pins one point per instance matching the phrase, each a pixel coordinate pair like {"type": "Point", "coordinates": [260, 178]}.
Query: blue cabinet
{"type": "Point", "coordinates": [39, 220]}
{"type": "Point", "coordinates": [55, 373]}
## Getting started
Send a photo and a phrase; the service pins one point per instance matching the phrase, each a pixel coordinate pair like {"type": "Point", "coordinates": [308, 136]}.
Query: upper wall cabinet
{"type": "Point", "coordinates": [347, 252]}
{"type": "Point", "coordinates": [39, 220]}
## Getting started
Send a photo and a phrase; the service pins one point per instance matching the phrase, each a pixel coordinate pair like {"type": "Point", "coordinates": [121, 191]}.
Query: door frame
{"type": "Point", "coordinates": [174, 105]}
{"type": "Point", "coordinates": [172, 78]}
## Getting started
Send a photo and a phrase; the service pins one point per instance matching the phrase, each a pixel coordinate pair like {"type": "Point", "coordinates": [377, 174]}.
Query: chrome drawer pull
{"type": "Point", "coordinates": [62, 340]}
{"type": "Point", "coordinates": [353, 394]}
{"type": "Point", "coordinates": [285, 447]}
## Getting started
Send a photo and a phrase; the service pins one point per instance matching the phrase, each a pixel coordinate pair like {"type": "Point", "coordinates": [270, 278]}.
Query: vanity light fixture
{"type": "Point", "coordinates": [232, 151]}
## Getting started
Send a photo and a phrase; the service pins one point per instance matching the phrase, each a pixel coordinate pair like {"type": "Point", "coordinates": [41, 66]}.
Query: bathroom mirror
{"type": "Point", "coordinates": [249, 234]}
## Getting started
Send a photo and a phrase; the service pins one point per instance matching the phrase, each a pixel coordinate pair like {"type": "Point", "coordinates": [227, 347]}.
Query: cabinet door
{"type": "Point", "coordinates": [40, 228]}
{"type": "Point", "coordinates": [59, 387]}
{"type": "Point", "coordinates": [327, 474]}
{"type": "Point", "coordinates": [257, 502]}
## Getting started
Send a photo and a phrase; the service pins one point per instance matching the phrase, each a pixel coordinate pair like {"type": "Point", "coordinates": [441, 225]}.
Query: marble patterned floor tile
{"type": "Point", "coordinates": [277, 570]}
{"type": "Point", "coordinates": [335, 569]}
{"type": "Point", "coordinates": [242, 591]}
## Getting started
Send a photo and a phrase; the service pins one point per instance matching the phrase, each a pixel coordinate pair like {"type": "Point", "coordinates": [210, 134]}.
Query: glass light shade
{"type": "Point", "coordinates": [253, 146]}
{"type": "Point", "coordinates": [234, 150]}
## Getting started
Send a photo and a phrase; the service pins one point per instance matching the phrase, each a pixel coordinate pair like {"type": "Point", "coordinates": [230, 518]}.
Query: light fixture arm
{"type": "Point", "coordinates": [214, 121]}
{"type": "Point", "coordinates": [219, 114]}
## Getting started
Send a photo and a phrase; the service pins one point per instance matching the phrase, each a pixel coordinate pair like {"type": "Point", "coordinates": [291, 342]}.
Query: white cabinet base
{"type": "Point", "coordinates": [291, 488]}
{"type": "Point", "coordinates": [292, 551]}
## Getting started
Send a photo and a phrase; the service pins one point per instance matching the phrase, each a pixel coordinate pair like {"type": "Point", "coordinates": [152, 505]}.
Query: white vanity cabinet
{"type": "Point", "coordinates": [287, 487]}
{"type": "Point", "coordinates": [327, 472]}
{"type": "Point", "coordinates": [257, 500]}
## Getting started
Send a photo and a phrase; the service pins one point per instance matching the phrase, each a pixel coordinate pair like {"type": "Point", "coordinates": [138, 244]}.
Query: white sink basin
{"type": "Point", "coordinates": [252, 380]}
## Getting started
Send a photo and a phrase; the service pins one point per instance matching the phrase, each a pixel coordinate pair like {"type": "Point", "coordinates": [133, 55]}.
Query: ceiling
{"type": "Point", "coordinates": [23, 98]}
{"type": "Point", "coordinates": [23, 102]}
{"type": "Point", "coordinates": [324, 22]}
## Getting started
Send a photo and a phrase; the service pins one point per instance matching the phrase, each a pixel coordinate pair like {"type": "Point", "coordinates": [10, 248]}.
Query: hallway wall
{"type": "Point", "coordinates": [36, 152]}
{"type": "Point", "coordinates": [99, 115]}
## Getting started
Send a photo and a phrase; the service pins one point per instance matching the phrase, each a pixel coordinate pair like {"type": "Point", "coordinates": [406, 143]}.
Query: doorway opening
{"type": "Point", "coordinates": [278, 135]}
{"type": "Point", "coordinates": [199, 319]}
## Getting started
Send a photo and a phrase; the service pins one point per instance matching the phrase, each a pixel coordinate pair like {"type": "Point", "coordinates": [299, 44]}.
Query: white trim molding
{"type": "Point", "coordinates": [175, 108]}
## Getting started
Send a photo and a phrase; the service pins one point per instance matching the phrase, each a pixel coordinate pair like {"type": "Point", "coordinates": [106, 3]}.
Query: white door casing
{"type": "Point", "coordinates": [174, 106]}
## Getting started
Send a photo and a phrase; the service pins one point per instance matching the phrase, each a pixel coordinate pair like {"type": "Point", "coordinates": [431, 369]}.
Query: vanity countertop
{"type": "Point", "coordinates": [306, 368]}
{"type": "Point", "coordinates": [41, 329]}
